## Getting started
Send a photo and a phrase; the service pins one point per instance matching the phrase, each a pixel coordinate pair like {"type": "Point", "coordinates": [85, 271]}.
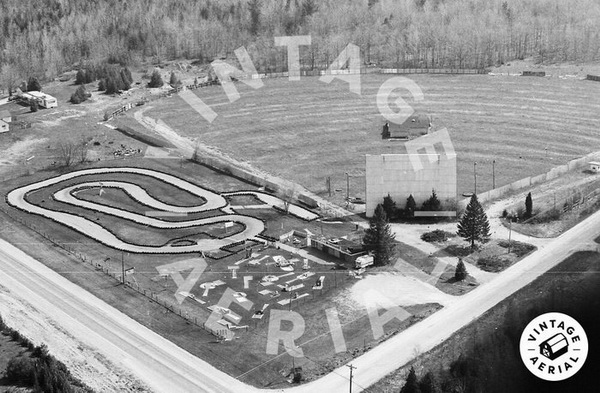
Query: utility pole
{"type": "Point", "coordinates": [475, 176]}
{"type": "Point", "coordinates": [351, 367]}
{"type": "Point", "coordinates": [509, 233]}
{"type": "Point", "coordinates": [347, 187]}
{"type": "Point", "coordinates": [493, 174]}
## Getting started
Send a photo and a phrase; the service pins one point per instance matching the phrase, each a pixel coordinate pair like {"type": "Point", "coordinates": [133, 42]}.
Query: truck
{"type": "Point", "coordinates": [363, 261]}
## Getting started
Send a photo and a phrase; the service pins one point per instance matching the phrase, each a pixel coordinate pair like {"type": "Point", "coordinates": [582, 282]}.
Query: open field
{"type": "Point", "coordinates": [306, 131]}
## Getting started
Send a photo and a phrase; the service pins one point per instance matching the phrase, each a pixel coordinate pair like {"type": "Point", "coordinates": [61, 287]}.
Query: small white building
{"type": "Point", "coordinates": [594, 166]}
{"type": "Point", "coordinates": [5, 119]}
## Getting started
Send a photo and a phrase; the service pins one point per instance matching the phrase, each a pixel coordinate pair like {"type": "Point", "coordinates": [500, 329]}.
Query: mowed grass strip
{"type": "Point", "coordinates": [309, 130]}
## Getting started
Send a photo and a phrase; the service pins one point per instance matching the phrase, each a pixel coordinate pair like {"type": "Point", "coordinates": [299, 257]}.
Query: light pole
{"type": "Point", "coordinates": [351, 368]}
{"type": "Point", "coordinates": [475, 176]}
{"type": "Point", "coordinates": [493, 174]}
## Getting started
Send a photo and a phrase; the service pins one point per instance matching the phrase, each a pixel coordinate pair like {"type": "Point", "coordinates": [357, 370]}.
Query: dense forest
{"type": "Point", "coordinates": [45, 37]}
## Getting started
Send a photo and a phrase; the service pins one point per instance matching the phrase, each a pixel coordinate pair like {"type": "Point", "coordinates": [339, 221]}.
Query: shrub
{"type": "Point", "coordinates": [504, 213]}
{"type": "Point", "coordinates": [548, 216]}
{"type": "Point", "coordinates": [34, 106]}
{"type": "Point", "coordinates": [436, 236]}
{"type": "Point", "coordinates": [493, 263]}
{"type": "Point", "coordinates": [518, 248]}
{"type": "Point", "coordinates": [80, 95]}
{"type": "Point", "coordinates": [20, 369]}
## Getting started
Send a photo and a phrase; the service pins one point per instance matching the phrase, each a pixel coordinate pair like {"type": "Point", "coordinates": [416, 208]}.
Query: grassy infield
{"type": "Point", "coordinates": [313, 125]}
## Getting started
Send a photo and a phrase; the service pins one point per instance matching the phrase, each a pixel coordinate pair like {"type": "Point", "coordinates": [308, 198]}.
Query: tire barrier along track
{"type": "Point", "coordinates": [252, 226]}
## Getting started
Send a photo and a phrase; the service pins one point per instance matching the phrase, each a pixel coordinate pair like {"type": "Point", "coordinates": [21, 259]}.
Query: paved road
{"type": "Point", "coordinates": [162, 365]}
{"type": "Point", "coordinates": [168, 368]}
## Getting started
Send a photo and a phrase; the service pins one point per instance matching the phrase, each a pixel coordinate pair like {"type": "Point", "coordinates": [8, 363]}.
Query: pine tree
{"type": "Point", "coordinates": [433, 203]}
{"type": "Point", "coordinates": [528, 206]}
{"type": "Point", "coordinates": [156, 80]}
{"type": "Point", "coordinates": [411, 206]}
{"type": "Point", "coordinates": [378, 237]}
{"type": "Point", "coordinates": [80, 95]}
{"type": "Point", "coordinates": [254, 8]}
{"type": "Point", "coordinates": [80, 77]}
{"type": "Point", "coordinates": [474, 225]}
{"type": "Point", "coordinates": [111, 85]}
{"type": "Point", "coordinates": [126, 79]}
{"type": "Point", "coordinates": [460, 273]}
{"type": "Point", "coordinates": [389, 206]}
{"type": "Point", "coordinates": [33, 84]}
{"type": "Point", "coordinates": [429, 384]}
{"type": "Point", "coordinates": [412, 384]}
{"type": "Point", "coordinates": [173, 81]}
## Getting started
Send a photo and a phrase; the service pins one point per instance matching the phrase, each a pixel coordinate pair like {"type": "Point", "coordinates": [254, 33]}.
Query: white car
{"type": "Point", "coordinates": [270, 278]}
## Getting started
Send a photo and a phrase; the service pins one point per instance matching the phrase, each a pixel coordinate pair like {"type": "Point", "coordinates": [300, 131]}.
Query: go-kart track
{"type": "Point", "coordinates": [213, 201]}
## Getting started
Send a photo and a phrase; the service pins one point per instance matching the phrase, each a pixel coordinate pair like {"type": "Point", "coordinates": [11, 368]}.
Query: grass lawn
{"type": "Point", "coordinates": [307, 131]}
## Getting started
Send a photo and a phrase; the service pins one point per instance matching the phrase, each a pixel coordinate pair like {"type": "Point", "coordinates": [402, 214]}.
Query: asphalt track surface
{"type": "Point", "coordinates": [252, 226]}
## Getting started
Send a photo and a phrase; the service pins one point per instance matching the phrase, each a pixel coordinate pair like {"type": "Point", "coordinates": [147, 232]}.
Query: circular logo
{"type": "Point", "coordinates": [553, 346]}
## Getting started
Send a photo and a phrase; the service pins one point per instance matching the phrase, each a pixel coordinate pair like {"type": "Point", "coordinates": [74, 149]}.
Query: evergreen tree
{"type": "Point", "coordinates": [389, 206]}
{"type": "Point", "coordinates": [429, 384]}
{"type": "Point", "coordinates": [433, 203]}
{"type": "Point", "coordinates": [156, 80]}
{"type": "Point", "coordinates": [411, 206]}
{"type": "Point", "coordinates": [254, 8]}
{"type": "Point", "coordinates": [126, 79]}
{"type": "Point", "coordinates": [80, 95]}
{"type": "Point", "coordinates": [412, 384]}
{"type": "Point", "coordinates": [33, 84]}
{"type": "Point", "coordinates": [528, 206]}
{"type": "Point", "coordinates": [90, 74]}
{"type": "Point", "coordinates": [173, 81]}
{"type": "Point", "coordinates": [460, 273]}
{"type": "Point", "coordinates": [80, 77]}
{"type": "Point", "coordinates": [378, 237]}
{"type": "Point", "coordinates": [111, 86]}
{"type": "Point", "coordinates": [474, 225]}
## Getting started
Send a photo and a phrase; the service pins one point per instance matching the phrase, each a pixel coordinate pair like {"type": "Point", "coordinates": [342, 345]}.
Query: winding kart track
{"type": "Point", "coordinates": [213, 201]}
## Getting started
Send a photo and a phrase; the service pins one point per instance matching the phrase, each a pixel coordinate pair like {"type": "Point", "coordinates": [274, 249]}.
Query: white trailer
{"type": "Point", "coordinates": [43, 100]}
{"type": "Point", "coordinates": [363, 261]}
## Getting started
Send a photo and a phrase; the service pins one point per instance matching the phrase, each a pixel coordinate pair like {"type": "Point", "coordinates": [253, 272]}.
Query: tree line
{"type": "Point", "coordinates": [38, 369]}
{"type": "Point", "coordinates": [45, 37]}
